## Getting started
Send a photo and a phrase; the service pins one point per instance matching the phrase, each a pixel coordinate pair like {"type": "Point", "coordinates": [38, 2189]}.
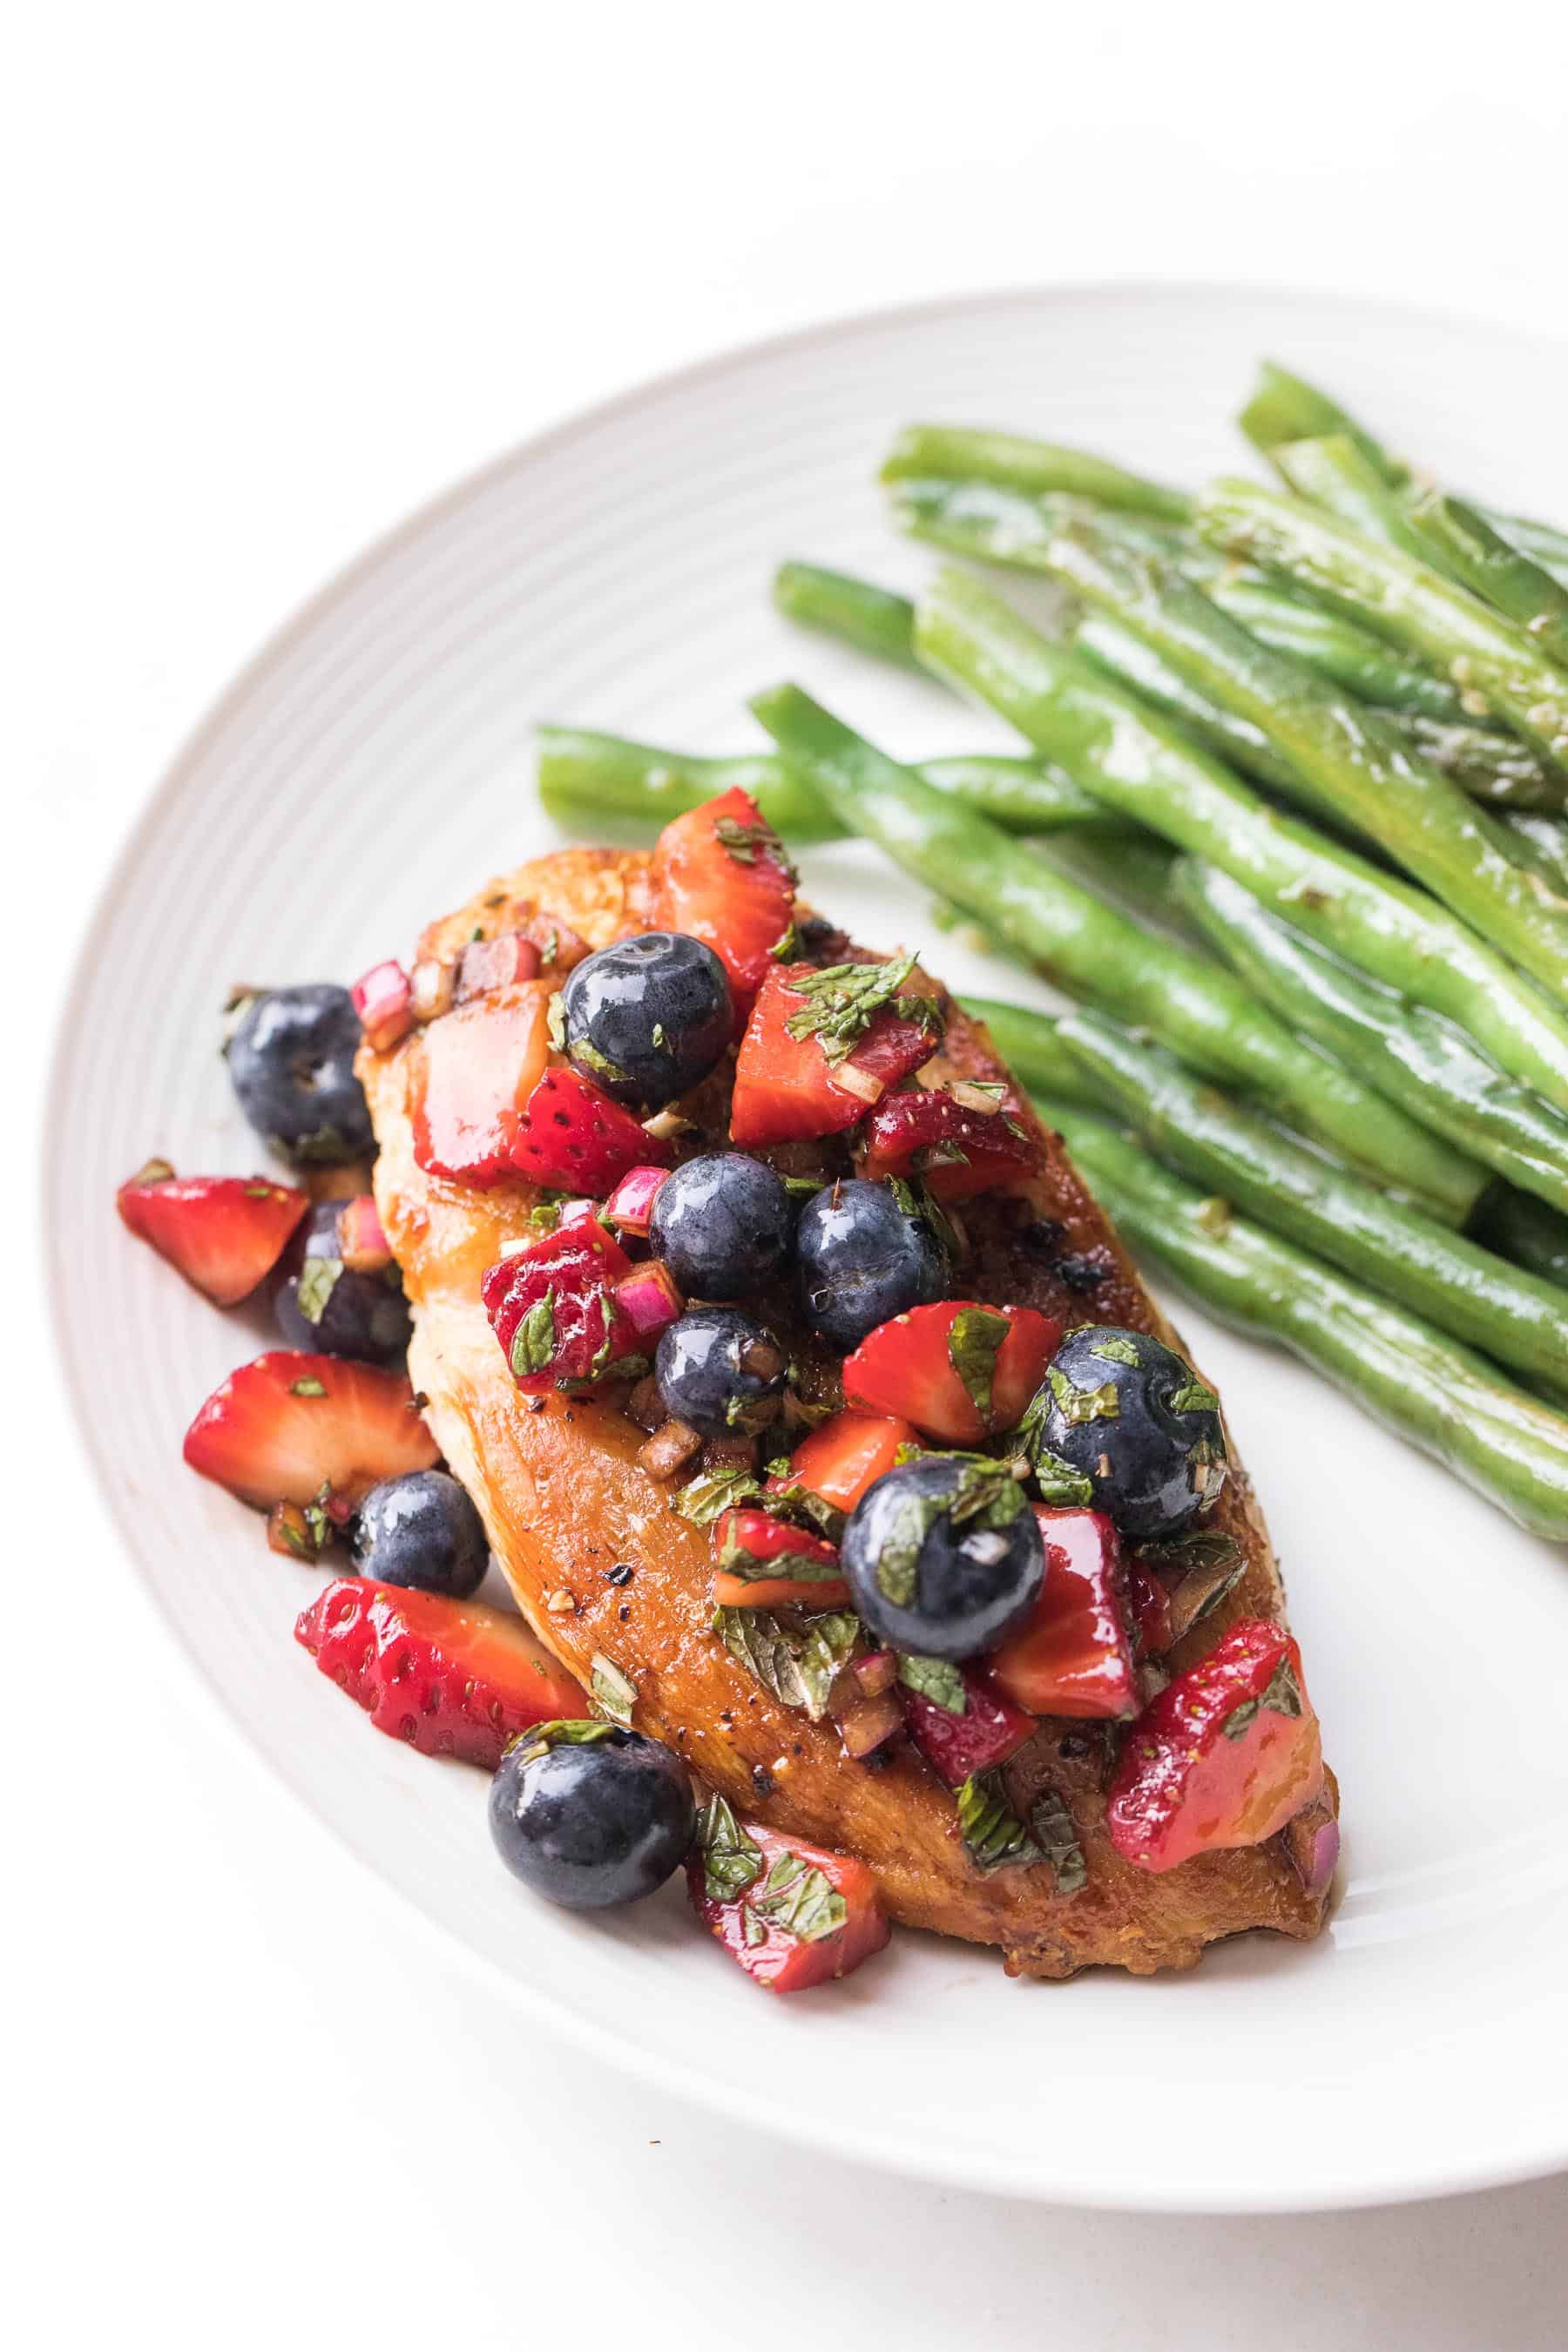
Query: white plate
{"type": "Point", "coordinates": [371, 769]}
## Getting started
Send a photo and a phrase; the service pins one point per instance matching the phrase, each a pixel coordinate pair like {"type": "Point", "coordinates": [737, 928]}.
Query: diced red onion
{"type": "Point", "coordinates": [649, 1298]}
{"type": "Point", "coordinates": [361, 1236]}
{"type": "Point", "coordinates": [384, 1001]}
{"type": "Point", "coordinates": [630, 1205]}
{"type": "Point", "coordinates": [875, 1672]}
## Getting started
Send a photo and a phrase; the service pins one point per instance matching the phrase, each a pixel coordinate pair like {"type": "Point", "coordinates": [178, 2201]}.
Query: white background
{"type": "Point", "coordinates": [273, 276]}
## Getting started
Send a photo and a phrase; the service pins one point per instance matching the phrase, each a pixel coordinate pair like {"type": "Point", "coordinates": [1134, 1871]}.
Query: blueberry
{"type": "Point", "coordinates": [421, 1530]}
{"type": "Point", "coordinates": [1136, 1422]}
{"type": "Point", "coordinates": [293, 1063]}
{"type": "Point", "coordinates": [718, 1371]}
{"type": "Point", "coordinates": [722, 1223]}
{"type": "Point", "coordinates": [862, 1256]}
{"type": "Point", "coordinates": [587, 1814]}
{"type": "Point", "coordinates": [649, 1017]}
{"type": "Point", "coordinates": [326, 1306]}
{"type": "Point", "coordinates": [944, 1556]}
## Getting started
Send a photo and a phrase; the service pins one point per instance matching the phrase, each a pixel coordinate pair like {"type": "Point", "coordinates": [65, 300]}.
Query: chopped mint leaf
{"type": "Point", "coordinates": [1240, 1719]}
{"type": "Point", "coordinates": [588, 1057]}
{"type": "Point", "coordinates": [751, 1927]}
{"type": "Point", "coordinates": [1200, 1548]}
{"type": "Point", "coordinates": [318, 1280]}
{"type": "Point", "coordinates": [842, 1001]}
{"type": "Point", "coordinates": [934, 1679]}
{"type": "Point", "coordinates": [1077, 1406]}
{"type": "Point", "coordinates": [561, 1732]}
{"type": "Point", "coordinates": [994, 1837]}
{"type": "Point", "coordinates": [615, 1690]}
{"type": "Point", "coordinates": [534, 1343]}
{"type": "Point", "coordinates": [1055, 1835]}
{"type": "Point", "coordinates": [1114, 1350]}
{"type": "Point", "coordinates": [712, 1492]}
{"type": "Point", "coordinates": [308, 1386]}
{"type": "Point", "coordinates": [803, 1188]}
{"type": "Point", "coordinates": [982, 1490]}
{"type": "Point", "coordinates": [739, 841]}
{"type": "Point", "coordinates": [801, 1900]}
{"type": "Point", "coordinates": [786, 945]}
{"type": "Point", "coordinates": [794, 1657]}
{"type": "Point", "coordinates": [730, 1861]}
{"type": "Point", "coordinates": [1195, 1396]}
{"type": "Point", "coordinates": [973, 1343]}
{"type": "Point", "coordinates": [1284, 1692]}
{"type": "Point", "coordinates": [1057, 1481]}
{"type": "Point", "coordinates": [799, 1506]}
{"type": "Point", "coordinates": [555, 1021]}
{"type": "Point", "coordinates": [258, 1192]}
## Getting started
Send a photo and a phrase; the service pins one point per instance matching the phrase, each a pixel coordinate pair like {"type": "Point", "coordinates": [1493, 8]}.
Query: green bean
{"type": "Point", "coordinates": [1137, 763]}
{"type": "Point", "coordinates": [1325, 641]}
{"type": "Point", "coordinates": [1030, 1045]}
{"type": "Point", "coordinates": [1015, 463]}
{"type": "Point", "coordinates": [1540, 842]}
{"type": "Point", "coordinates": [1193, 1005]}
{"type": "Point", "coordinates": [1496, 665]}
{"type": "Point", "coordinates": [1520, 1227]}
{"type": "Point", "coordinates": [1487, 765]}
{"type": "Point", "coordinates": [611, 775]}
{"type": "Point", "coordinates": [1430, 1390]}
{"type": "Point", "coordinates": [1463, 543]}
{"type": "Point", "coordinates": [1414, 1057]}
{"type": "Point", "coordinates": [1285, 408]}
{"type": "Point", "coordinates": [1464, 1289]}
{"type": "Point", "coordinates": [875, 619]}
{"type": "Point", "coordinates": [1542, 541]}
{"type": "Point", "coordinates": [1334, 474]}
{"type": "Point", "coordinates": [1125, 658]}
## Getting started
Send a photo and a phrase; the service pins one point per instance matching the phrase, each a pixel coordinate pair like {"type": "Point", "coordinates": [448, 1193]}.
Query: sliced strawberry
{"type": "Point", "coordinates": [477, 1066]}
{"type": "Point", "coordinates": [847, 1455]}
{"type": "Point", "coordinates": [958, 1370]}
{"type": "Point", "coordinates": [1149, 1606]}
{"type": "Point", "coordinates": [959, 1150]}
{"type": "Point", "coordinates": [580, 1219]}
{"type": "Point", "coordinates": [793, 1915]}
{"type": "Point", "coordinates": [958, 1743]}
{"type": "Point", "coordinates": [452, 1678]}
{"type": "Point", "coordinates": [720, 874]}
{"type": "Point", "coordinates": [1226, 1755]}
{"type": "Point", "coordinates": [226, 1234]}
{"type": "Point", "coordinates": [761, 1563]}
{"type": "Point", "coordinates": [1074, 1656]}
{"type": "Point", "coordinates": [286, 1427]}
{"type": "Point", "coordinates": [786, 1086]}
{"type": "Point", "coordinates": [553, 1307]}
{"type": "Point", "coordinates": [383, 999]}
{"type": "Point", "coordinates": [487, 964]}
{"type": "Point", "coordinates": [571, 1134]}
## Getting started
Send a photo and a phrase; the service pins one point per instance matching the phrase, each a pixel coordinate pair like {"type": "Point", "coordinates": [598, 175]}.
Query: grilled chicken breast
{"type": "Point", "coordinates": [558, 1483]}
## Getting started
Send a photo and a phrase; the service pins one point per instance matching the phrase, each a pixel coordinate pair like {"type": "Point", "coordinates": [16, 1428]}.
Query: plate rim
{"type": "Point", "coordinates": [750, 2107]}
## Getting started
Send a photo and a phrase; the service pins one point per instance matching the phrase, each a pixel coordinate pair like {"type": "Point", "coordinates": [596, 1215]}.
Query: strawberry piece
{"type": "Point", "coordinates": [1149, 1605]}
{"type": "Point", "coordinates": [1074, 1658]}
{"type": "Point", "coordinates": [383, 999]}
{"type": "Point", "coordinates": [793, 1915]}
{"type": "Point", "coordinates": [763, 1564]}
{"type": "Point", "coordinates": [785, 1087]}
{"type": "Point", "coordinates": [845, 1455]}
{"type": "Point", "coordinates": [559, 947]}
{"type": "Point", "coordinates": [486, 964]}
{"type": "Point", "coordinates": [571, 1134]}
{"type": "Point", "coordinates": [1226, 1755]}
{"type": "Point", "coordinates": [990, 1729]}
{"type": "Point", "coordinates": [958, 1370]}
{"type": "Point", "coordinates": [226, 1234]}
{"type": "Point", "coordinates": [361, 1240]}
{"type": "Point", "coordinates": [480, 1066]}
{"type": "Point", "coordinates": [580, 1219]}
{"type": "Point", "coordinates": [452, 1678]}
{"type": "Point", "coordinates": [959, 1152]}
{"type": "Point", "coordinates": [281, 1429]}
{"type": "Point", "coordinates": [720, 875]}
{"type": "Point", "coordinates": [553, 1307]}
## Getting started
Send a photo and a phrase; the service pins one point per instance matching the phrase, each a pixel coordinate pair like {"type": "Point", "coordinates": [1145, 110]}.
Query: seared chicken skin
{"type": "Point", "coordinates": [564, 1500]}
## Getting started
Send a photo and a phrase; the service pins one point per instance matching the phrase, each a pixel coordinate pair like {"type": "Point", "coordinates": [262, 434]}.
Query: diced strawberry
{"type": "Point", "coordinates": [763, 1564]}
{"type": "Point", "coordinates": [720, 874]}
{"type": "Point", "coordinates": [648, 1295]}
{"type": "Point", "coordinates": [990, 1729]}
{"type": "Point", "coordinates": [630, 1205]}
{"type": "Point", "coordinates": [925, 1131]}
{"type": "Point", "coordinates": [1226, 1755]}
{"type": "Point", "coordinates": [485, 964]}
{"type": "Point", "coordinates": [571, 1134]}
{"type": "Point", "coordinates": [226, 1234]}
{"type": "Point", "coordinates": [452, 1678]}
{"type": "Point", "coordinates": [383, 999]}
{"type": "Point", "coordinates": [281, 1429]}
{"type": "Point", "coordinates": [1074, 1656]}
{"type": "Point", "coordinates": [958, 1370]}
{"type": "Point", "coordinates": [559, 947]}
{"type": "Point", "coordinates": [362, 1238]}
{"type": "Point", "coordinates": [552, 1307]}
{"type": "Point", "coordinates": [1149, 1606]}
{"type": "Point", "coordinates": [845, 1455]}
{"type": "Point", "coordinates": [481, 1063]}
{"type": "Point", "coordinates": [803, 1916]}
{"type": "Point", "coordinates": [580, 1219]}
{"type": "Point", "coordinates": [785, 1087]}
